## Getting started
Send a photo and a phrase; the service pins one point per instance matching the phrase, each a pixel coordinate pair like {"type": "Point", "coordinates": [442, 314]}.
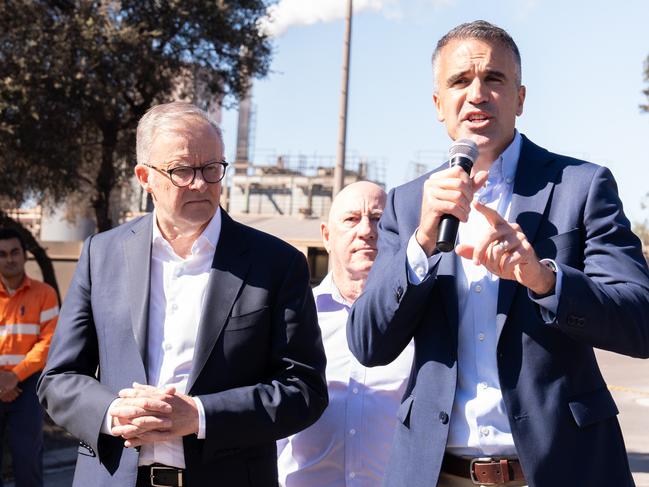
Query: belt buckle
{"type": "Point", "coordinates": [153, 471]}
{"type": "Point", "coordinates": [474, 478]}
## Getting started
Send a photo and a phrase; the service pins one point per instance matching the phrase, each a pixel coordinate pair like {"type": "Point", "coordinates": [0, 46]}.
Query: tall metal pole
{"type": "Point", "coordinates": [339, 171]}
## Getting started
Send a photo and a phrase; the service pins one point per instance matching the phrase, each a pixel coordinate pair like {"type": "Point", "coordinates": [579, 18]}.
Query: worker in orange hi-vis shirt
{"type": "Point", "coordinates": [28, 314]}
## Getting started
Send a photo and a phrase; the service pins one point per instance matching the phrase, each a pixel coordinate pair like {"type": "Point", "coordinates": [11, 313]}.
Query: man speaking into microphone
{"type": "Point", "coordinates": [505, 388]}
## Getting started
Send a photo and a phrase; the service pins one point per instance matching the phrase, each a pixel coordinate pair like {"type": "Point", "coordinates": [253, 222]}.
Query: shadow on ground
{"type": "Point", "coordinates": [639, 462]}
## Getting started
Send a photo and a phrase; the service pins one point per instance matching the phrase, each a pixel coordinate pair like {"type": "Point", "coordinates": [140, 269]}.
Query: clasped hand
{"type": "Point", "coordinates": [9, 389]}
{"type": "Point", "coordinates": [146, 414]}
{"type": "Point", "coordinates": [503, 248]}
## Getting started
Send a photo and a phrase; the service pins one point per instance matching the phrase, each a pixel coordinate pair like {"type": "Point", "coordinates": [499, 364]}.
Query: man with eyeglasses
{"type": "Point", "coordinates": [188, 343]}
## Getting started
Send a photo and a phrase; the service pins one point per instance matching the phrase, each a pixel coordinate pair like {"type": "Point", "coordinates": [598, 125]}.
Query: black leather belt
{"type": "Point", "coordinates": [158, 475]}
{"type": "Point", "coordinates": [484, 471]}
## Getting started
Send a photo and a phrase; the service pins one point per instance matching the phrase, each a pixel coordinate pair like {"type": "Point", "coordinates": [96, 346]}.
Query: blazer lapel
{"type": "Point", "coordinates": [137, 251]}
{"type": "Point", "coordinates": [227, 275]}
{"type": "Point", "coordinates": [446, 280]}
{"type": "Point", "coordinates": [535, 180]}
{"type": "Point", "coordinates": [446, 269]}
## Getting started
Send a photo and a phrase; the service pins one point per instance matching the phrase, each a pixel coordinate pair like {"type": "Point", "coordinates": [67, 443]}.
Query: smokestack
{"type": "Point", "coordinates": [243, 129]}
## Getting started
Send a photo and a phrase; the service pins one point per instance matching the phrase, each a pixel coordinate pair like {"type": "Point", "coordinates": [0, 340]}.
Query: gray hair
{"type": "Point", "coordinates": [483, 31]}
{"type": "Point", "coordinates": [165, 117]}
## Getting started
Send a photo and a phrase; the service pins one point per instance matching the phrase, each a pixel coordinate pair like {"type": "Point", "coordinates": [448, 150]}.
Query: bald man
{"type": "Point", "coordinates": [349, 445]}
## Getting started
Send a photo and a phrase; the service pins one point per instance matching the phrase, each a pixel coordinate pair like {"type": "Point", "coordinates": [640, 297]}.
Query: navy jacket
{"type": "Point", "coordinates": [258, 364]}
{"type": "Point", "coordinates": [562, 416]}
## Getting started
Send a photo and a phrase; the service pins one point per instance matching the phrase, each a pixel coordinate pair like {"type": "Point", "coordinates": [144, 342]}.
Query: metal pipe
{"type": "Point", "coordinates": [339, 170]}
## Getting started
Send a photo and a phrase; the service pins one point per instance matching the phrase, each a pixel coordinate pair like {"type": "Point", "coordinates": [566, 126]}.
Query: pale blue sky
{"type": "Point", "coordinates": [582, 65]}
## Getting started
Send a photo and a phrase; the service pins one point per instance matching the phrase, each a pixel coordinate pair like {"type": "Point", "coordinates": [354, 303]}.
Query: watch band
{"type": "Point", "coordinates": [550, 264]}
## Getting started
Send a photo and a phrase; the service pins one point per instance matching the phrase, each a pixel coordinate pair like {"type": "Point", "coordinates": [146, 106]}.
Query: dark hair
{"type": "Point", "coordinates": [481, 30]}
{"type": "Point", "coordinates": [9, 233]}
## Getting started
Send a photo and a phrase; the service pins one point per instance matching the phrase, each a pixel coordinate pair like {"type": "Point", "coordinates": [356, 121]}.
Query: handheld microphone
{"type": "Point", "coordinates": [462, 152]}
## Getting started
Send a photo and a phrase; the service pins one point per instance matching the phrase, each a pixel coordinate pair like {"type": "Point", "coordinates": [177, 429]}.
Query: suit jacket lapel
{"type": "Point", "coordinates": [227, 275]}
{"type": "Point", "coordinates": [137, 251]}
{"type": "Point", "coordinates": [535, 180]}
{"type": "Point", "coordinates": [446, 280]}
{"type": "Point", "coordinates": [446, 269]}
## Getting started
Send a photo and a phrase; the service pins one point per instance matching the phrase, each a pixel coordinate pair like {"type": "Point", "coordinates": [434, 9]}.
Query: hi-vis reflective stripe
{"type": "Point", "coordinates": [48, 314]}
{"type": "Point", "coordinates": [11, 359]}
{"type": "Point", "coordinates": [22, 329]}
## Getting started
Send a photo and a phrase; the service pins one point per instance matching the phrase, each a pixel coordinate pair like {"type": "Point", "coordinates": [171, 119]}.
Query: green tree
{"type": "Point", "coordinates": [76, 76]}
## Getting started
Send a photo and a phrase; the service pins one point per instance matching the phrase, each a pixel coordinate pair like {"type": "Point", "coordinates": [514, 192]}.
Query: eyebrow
{"type": "Point", "coordinates": [359, 212]}
{"type": "Point", "coordinates": [455, 77]}
{"type": "Point", "coordinates": [186, 163]}
{"type": "Point", "coordinates": [495, 72]}
{"type": "Point", "coordinates": [489, 72]}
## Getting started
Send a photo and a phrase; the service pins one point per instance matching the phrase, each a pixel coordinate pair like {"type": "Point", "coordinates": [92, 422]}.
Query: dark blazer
{"type": "Point", "coordinates": [258, 364]}
{"type": "Point", "coordinates": [562, 416]}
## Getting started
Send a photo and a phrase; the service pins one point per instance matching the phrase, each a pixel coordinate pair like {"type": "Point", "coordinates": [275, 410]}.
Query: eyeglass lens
{"type": "Point", "coordinates": [184, 175]}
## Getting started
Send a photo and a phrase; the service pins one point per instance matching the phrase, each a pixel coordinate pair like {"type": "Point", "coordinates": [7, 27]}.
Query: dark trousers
{"type": "Point", "coordinates": [24, 417]}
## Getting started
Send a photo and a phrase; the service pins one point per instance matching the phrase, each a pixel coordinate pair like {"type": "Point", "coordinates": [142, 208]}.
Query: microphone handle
{"type": "Point", "coordinates": [447, 233]}
{"type": "Point", "coordinates": [448, 225]}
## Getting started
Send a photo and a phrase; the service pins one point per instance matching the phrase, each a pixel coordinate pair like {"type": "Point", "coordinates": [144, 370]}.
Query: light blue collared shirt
{"type": "Point", "coordinates": [479, 425]}
{"type": "Point", "coordinates": [350, 443]}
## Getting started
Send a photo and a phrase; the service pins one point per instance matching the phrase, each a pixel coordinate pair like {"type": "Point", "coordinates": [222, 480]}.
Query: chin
{"type": "Point", "coordinates": [483, 140]}
{"type": "Point", "coordinates": [200, 215]}
{"type": "Point", "coordinates": [361, 267]}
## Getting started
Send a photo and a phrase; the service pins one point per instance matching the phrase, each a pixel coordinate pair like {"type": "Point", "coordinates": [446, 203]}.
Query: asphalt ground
{"type": "Point", "coordinates": [628, 380]}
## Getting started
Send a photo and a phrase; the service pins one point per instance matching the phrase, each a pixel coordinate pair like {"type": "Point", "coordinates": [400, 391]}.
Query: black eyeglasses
{"type": "Point", "coordinates": [182, 176]}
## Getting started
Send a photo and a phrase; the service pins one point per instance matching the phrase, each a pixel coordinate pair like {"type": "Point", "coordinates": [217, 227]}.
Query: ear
{"type": "Point", "coordinates": [521, 99]}
{"type": "Point", "coordinates": [438, 106]}
{"type": "Point", "coordinates": [143, 177]}
{"type": "Point", "coordinates": [324, 231]}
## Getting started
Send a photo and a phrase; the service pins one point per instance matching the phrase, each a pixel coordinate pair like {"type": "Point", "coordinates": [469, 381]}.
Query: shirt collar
{"type": "Point", "coordinates": [207, 240]}
{"type": "Point", "coordinates": [328, 297]}
{"type": "Point", "coordinates": [503, 169]}
{"type": "Point", "coordinates": [27, 282]}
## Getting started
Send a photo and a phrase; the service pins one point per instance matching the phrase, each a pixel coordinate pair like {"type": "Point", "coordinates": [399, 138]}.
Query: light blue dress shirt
{"type": "Point", "coordinates": [479, 425]}
{"type": "Point", "coordinates": [349, 445]}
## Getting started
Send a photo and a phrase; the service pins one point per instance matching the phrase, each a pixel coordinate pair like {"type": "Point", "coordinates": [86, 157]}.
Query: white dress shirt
{"type": "Point", "coordinates": [350, 443]}
{"type": "Point", "coordinates": [479, 425]}
{"type": "Point", "coordinates": [176, 298]}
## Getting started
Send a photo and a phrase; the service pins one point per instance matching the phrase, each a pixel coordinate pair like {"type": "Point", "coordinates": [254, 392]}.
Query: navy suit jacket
{"type": "Point", "coordinates": [258, 365]}
{"type": "Point", "coordinates": [562, 416]}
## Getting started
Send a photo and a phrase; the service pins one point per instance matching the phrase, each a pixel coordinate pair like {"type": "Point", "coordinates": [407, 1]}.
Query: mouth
{"type": "Point", "coordinates": [365, 249]}
{"type": "Point", "coordinates": [477, 118]}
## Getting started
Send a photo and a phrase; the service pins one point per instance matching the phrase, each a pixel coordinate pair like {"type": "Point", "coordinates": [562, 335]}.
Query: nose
{"type": "Point", "coordinates": [478, 92]}
{"type": "Point", "coordinates": [198, 184]}
{"type": "Point", "coordinates": [367, 228]}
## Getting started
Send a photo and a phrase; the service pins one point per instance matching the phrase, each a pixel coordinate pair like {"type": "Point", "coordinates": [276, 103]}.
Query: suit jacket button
{"type": "Point", "coordinates": [443, 417]}
{"type": "Point", "coordinates": [399, 293]}
{"type": "Point", "coordinates": [576, 321]}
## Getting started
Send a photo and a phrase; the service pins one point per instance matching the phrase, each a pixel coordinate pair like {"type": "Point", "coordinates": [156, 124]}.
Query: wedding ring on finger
{"type": "Point", "coordinates": [502, 245]}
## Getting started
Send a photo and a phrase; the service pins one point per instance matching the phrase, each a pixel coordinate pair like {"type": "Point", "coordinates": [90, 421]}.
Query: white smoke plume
{"type": "Point", "coordinates": [286, 13]}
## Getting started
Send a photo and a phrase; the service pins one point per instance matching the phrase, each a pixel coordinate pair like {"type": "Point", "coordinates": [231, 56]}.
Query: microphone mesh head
{"type": "Point", "coordinates": [464, 147]}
